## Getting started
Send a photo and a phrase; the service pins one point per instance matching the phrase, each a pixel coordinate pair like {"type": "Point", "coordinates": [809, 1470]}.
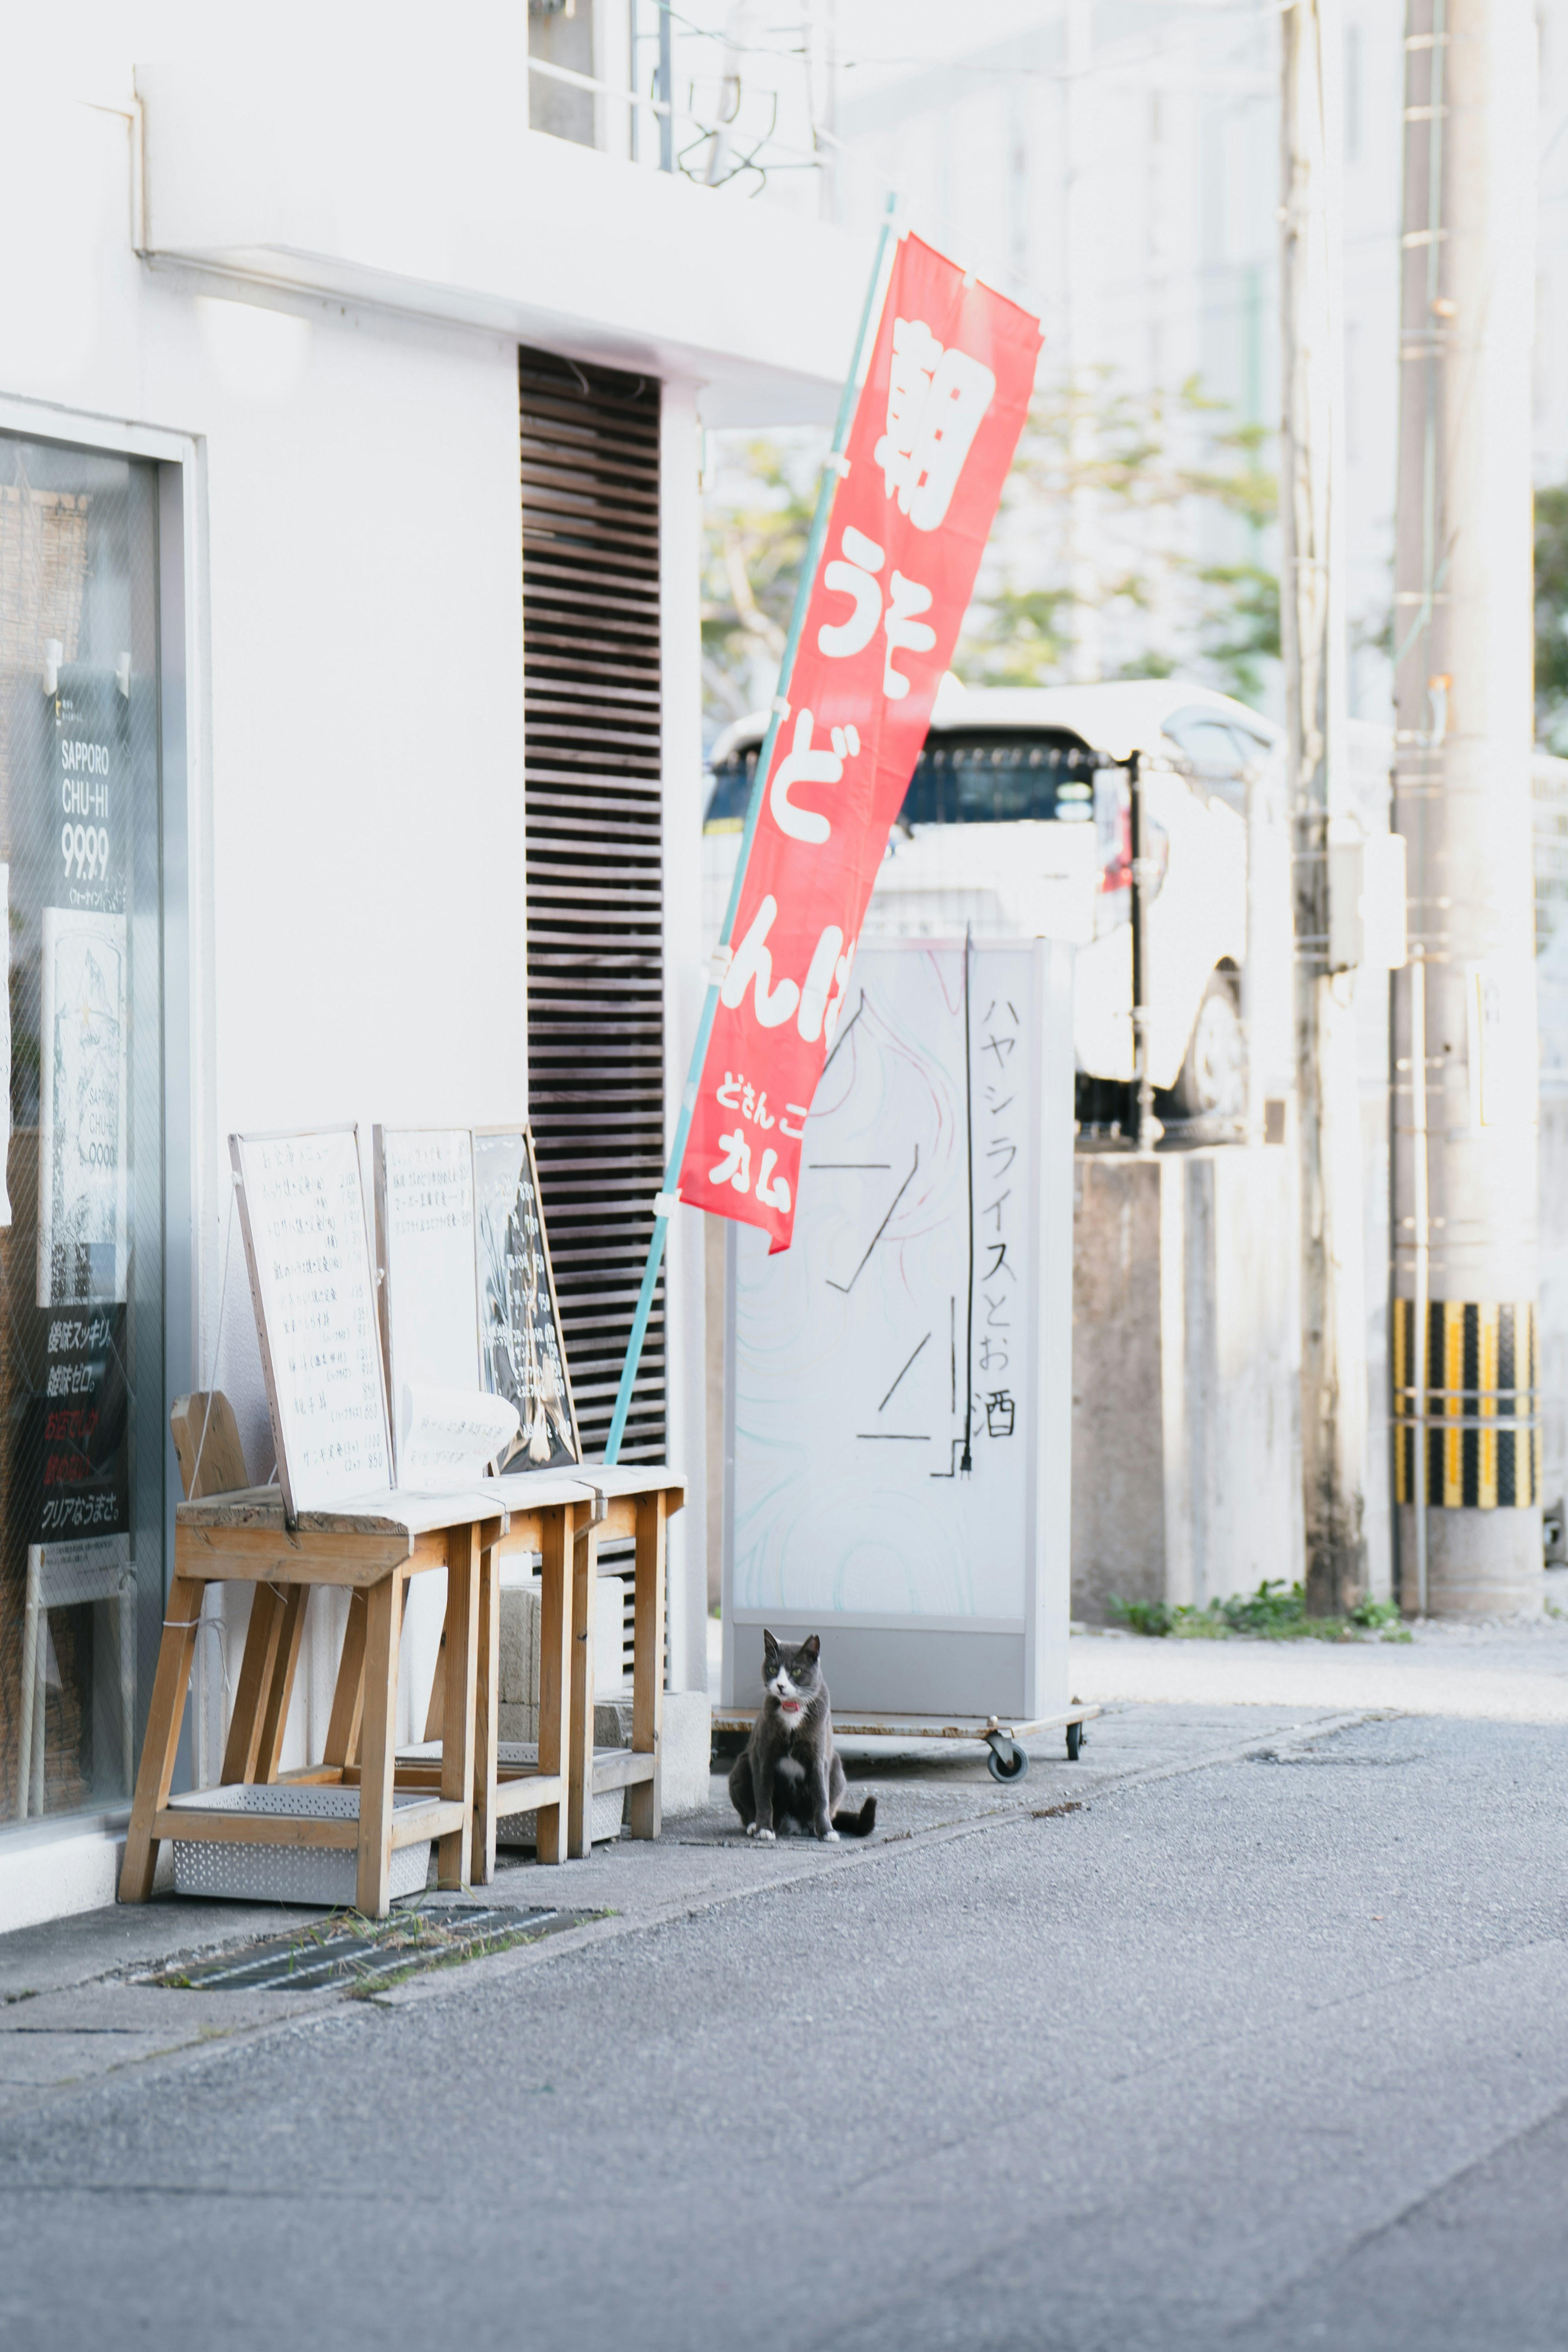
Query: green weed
{"type": "Point", "coordinates": [1277, 1612]}
{"type": "Point", "coordinates": [1153, 1617]}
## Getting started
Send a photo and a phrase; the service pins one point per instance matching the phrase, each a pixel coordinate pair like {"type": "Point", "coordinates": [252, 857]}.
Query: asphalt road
{"type": "Point", "coordinates": [1266, 2055]}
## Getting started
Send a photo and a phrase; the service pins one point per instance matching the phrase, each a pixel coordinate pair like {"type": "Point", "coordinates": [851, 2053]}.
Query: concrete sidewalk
{"type": "Point", "coordinates": [1511, 1672]}
{"type": "Point", "coordinates": [76, 2008]}
{"type": "Point", "coordinates": [1260, 2053]}
{"type": "Point", "coordinates": [75, 2005]}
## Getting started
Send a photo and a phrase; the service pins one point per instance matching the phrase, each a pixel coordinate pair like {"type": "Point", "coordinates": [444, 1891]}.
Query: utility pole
{"type": "Point", "coordinates": [1311, 612]}
{"type": "Point", "coordinates": [1468, 1446]}
{"type": "Point", "coordinates": [1081, 341]}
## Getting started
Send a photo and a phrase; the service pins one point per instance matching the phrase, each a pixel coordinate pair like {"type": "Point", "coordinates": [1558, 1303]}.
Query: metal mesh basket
{"type": "Point", "coordinates": [288, 1874]}
{"type": "Point", "coordinates": [523, 1829]}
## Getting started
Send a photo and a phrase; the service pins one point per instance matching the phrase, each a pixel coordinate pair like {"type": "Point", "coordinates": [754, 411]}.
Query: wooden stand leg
{"type": "Point", "coordinates": [281, 1689]}
{"type": "Point", "coordinates": [383, 1629]}
{"type": "Point", "coordinates": [254, 1685]}
{"type": "Point", "coordinates": [460, 1651]}
{"type": "Point", "coordinates": [349, 1691]}
{"type": "Point", "coordinates": [175, 1653]}
{"type": "Point", "coordinates": [580, 1762]}
{"type": "Point", "coordinates": [648, 1662]}
{"type": "Point", "coordinates": [555, 1668]}
{"type": "Point", "coordinates": [486, 1718]}
{"type": "Point", "coordinates": [125, 1627]}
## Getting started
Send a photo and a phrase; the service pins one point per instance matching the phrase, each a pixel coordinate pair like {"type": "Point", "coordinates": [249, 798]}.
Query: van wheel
{"type": "Point", "coordinates": [1212, 1080]}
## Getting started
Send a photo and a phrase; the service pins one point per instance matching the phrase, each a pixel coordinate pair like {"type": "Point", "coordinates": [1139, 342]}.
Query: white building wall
{"type": "Point", "coordinates": [356, 799]}
{"type": "Point", "coordinates": [354, 662]}
{"type": "Point", "coordinates": [367, 949]}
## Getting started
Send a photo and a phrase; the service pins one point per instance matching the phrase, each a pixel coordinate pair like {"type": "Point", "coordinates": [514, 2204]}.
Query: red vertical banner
{"type": "Point", "coordinates": [934, 431]}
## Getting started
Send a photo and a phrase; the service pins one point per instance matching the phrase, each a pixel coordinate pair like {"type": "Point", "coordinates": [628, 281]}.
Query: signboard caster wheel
{"type": "Point", "coordinates": [1007, 1760]}
{"type": "Point", "coordinates": [1077, 1740]}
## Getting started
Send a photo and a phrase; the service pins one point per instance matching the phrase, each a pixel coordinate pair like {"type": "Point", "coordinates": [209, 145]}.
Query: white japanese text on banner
{"type": "Point", "coordinates": [933, 436]}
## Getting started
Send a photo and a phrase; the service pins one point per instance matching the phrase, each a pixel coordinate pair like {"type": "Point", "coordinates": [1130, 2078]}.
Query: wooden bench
{"type": "Point", "coordinates": [563, 1516]}
{"type": "Point", "coordinates": [240, 1535]}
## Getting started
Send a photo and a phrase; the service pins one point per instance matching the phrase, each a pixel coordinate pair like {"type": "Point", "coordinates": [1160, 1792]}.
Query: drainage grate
{"type": "Point", "coordinates": [348, 1949]}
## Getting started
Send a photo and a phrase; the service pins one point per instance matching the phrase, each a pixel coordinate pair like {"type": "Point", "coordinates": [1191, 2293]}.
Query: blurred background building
{"type": "Point", "coordinates": [1116, 169]}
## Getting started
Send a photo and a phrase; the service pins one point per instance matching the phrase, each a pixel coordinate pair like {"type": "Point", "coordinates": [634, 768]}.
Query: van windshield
{"type": "Point", "coordinates": [990, 776]}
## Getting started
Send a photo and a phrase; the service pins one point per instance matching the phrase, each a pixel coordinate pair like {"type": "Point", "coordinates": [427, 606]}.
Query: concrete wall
{"type": "Point", "coordinates": [1186, 1372]}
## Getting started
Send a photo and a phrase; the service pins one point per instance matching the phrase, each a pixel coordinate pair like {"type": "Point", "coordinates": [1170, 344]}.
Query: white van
{"type": "Point", "coordinates": [1018, 821]}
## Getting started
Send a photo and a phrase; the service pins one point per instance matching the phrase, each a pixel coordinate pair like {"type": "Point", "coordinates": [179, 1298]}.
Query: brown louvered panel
{"type": "Point", "coordinates": [590, 475]}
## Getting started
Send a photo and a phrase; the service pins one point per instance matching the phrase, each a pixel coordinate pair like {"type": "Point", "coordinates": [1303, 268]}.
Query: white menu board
{"type": "Point", "coordinates": [302, 1212]}
{"type": "Point", "coordinates": [519, 1316]}
{"type": "Point", "coordinates": [899, 1382]}
{"type": "Point", "coordinates": [897, 1332]}
{"type": "Point", "coordinates": [83, 1228]}
{"type": "Point", "coordinates": [424, 1249]}
{"type": "Point", "coordinates": [450, 1438]}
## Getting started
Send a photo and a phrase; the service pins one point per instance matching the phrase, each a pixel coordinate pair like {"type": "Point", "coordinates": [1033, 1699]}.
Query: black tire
{"type": "Point", "coordinates": [1013, 1767]}
{"type": "Point", "coordinates": [1076, 1736]}
{"type": "Point", "coordinates": [1212, 1079]}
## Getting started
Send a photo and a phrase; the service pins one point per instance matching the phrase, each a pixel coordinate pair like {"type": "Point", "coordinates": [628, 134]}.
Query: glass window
{"type": "Point", "coordinates": [996, 776]}
{"type": "Point", "coordinates": [82, 1275]}
{"type": "Point", "coordinates": [981, 776]}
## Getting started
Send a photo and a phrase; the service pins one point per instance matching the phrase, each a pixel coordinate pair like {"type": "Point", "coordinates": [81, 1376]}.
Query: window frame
{"type": "Point", "coordinates": [184, 850]}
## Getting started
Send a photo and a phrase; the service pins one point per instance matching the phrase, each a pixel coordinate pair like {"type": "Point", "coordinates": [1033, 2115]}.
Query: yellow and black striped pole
{"type": "Point", "coordinates": [1480, 1429]}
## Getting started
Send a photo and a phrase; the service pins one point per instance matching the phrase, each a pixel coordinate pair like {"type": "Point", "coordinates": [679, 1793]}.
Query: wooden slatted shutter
{"type": "Point", "coordinates": [595, 878]}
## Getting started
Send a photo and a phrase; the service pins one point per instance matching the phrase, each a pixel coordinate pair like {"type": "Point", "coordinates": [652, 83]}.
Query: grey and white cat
{"type": "Point", "coordinates": [791, 1770]}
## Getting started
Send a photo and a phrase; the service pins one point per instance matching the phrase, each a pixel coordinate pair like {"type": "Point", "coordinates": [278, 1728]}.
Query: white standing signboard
{"type": "Point", "coordinates": [923, 1314]}
{"type": "Point", "coordinates": [302, 1212]}
{"type": "Point", "coordinates": [520, 1339]}
{"type": "Point", "coordinates": [425, 1251]}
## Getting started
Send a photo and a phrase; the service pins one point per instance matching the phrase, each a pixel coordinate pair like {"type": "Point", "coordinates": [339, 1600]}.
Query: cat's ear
{"type": "Point", "coordinates": [769, 1647]}
{"type": "Point", "coordinates": [811, 1648]}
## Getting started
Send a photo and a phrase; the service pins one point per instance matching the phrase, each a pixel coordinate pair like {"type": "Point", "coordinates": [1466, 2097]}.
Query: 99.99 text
{"type": "Point", "coordinates": [85, 850]}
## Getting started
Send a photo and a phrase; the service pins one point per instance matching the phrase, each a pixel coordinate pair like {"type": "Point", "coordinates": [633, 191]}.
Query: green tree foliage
{"type": "Point", "coordinates": [1158, 470]}
{"type": "Point", "coordinates": [1138, 478]}
{"type": "Point", "coordinates": [1552, 617]}
{"type": "Point", "coordinates": [758, 519]}
{"type": "Point", "coordinates": [1240, 627]}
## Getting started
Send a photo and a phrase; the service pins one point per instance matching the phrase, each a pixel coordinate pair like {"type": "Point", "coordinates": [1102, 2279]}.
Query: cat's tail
{"type": "Point", "coordinates": [859, 1824]}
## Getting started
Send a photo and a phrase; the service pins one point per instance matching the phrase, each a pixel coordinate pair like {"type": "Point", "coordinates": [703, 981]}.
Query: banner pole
{"type": "Point", "coordinates": [814, 545]}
